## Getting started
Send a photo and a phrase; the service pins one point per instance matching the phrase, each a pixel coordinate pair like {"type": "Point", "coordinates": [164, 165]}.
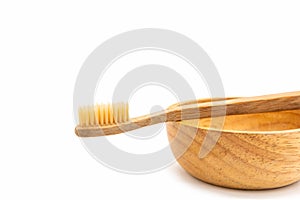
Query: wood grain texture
{"type": "Point", "coordinates": [199, 109]}
{"type": "Point", "coordinates": [255, 151]}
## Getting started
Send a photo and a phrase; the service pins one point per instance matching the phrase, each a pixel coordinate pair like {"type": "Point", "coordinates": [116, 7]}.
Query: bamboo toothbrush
{"type": "Point", "coordinates": [113, 119]}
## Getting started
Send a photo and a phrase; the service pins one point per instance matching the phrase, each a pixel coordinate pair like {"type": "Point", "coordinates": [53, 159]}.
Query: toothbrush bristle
{"type": "Point", "coordinates": [103, 114]}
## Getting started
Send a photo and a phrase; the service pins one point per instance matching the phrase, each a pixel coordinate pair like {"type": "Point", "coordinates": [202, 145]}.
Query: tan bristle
{"type": "Point", "coordinates": [103, 114]}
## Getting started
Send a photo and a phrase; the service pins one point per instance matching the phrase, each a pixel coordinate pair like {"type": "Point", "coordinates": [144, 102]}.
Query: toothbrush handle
{"type": "Point", "coordinates": [246, 105]}
{"type": "Point", "coordinates": [200, 109]}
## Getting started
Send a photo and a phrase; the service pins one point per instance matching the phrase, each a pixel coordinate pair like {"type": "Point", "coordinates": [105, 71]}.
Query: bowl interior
{"type": "Point", "coordinates": [261, 122]}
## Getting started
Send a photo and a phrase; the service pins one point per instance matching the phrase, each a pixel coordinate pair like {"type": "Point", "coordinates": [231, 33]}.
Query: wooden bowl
{"type": "Point", "coordinates": [254, 151]}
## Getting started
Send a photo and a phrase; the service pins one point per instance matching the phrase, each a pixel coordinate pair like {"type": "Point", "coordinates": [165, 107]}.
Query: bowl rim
{"type": "Point", "coordinates": [255, 132]}
{"type": "Point", "coordinates": [228, 131]}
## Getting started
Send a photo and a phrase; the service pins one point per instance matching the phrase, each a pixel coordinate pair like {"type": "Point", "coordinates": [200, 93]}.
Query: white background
{"type": "Point", "coordinates": [254, 44]}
